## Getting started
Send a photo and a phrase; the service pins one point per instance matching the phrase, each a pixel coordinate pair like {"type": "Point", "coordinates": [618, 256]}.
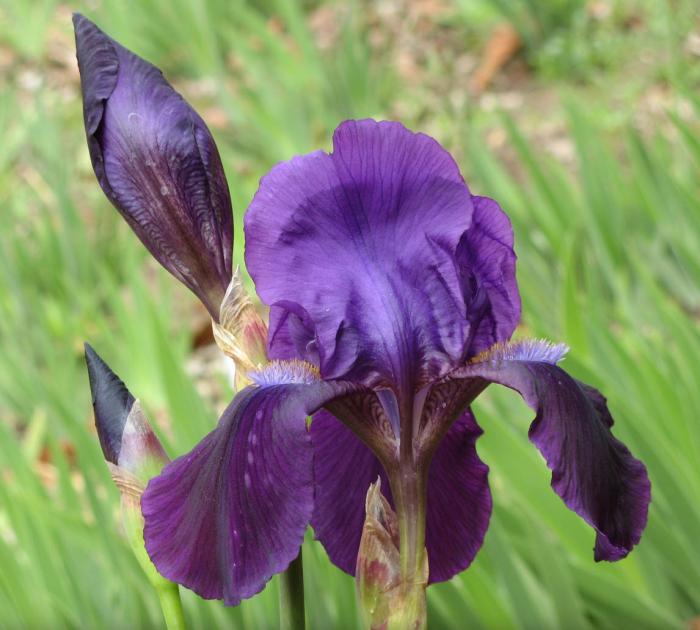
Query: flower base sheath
{"type": "Point", "coordinates": [392, 297]}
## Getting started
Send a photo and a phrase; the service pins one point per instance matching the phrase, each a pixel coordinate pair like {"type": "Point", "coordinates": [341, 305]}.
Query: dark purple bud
{"type": "Point", "coordinates": [133, 455]}
{"type": "Point", "coordinates": [127, 440]}
{"type": "Point", "coordinates": [157, 163]}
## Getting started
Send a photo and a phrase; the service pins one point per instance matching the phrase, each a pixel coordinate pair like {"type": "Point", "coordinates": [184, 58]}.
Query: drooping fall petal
{"type": "Point", "coordinates": [459, 501]}
{"type": "Point", "coordinates": [344, 468]}
{"type": "Point", "coordinates": [593, 472]}
{"type": "Point", "coordinates": [224, 518]}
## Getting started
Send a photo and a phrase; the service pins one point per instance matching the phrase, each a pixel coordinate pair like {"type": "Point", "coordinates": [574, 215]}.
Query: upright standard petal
{"type": "Point", "coordinates": [485, 266]}
{"type": "Point", "coordinates": [157, 163]}
{"type": "Point", "coordinates": [364, 241]}
{"type": "Point", "coordinates": [592, 471]}
{"type": "Point", "coordinates": [486, 262]}
{"type": "Point", "coordinates": [292, 334]}
{"type": "Point", "coordinates": [224, 518]}
{"type": "Point", "coordinates": [458, 503]}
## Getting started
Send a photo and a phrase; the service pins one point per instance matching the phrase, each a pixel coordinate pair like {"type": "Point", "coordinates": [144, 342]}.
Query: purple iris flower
{"type": "Point", "coordinates": [392, 298]}
{"type": "Point", "coordinates": [392, 294]}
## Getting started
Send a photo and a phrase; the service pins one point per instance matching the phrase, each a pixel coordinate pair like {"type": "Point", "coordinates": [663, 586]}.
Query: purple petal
{"type": "Point", "coordinates": [292, 334]}
{"type": "Point", "coordinates": [344, 468]}
{"type": "Point", "coordinates": [224, 518]}
{"type": "Point", "coordinates": [592, 471]}
{"type": "Point", "coordinates": [364, 241]}
{"type": "Point", "coordinates": [157, 163]}
{"type": "Point", "coordinates": [459, 501]}
{"type": "Point", "coordinates": [487, 265]}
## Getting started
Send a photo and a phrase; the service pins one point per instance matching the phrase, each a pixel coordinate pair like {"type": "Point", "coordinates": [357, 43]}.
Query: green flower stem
{"type": "Point", "coordinates": [169, 597]}
{"type": "Point", "coordinates": [291, 589]}
{"type": "Point", "coordinates": [408, 479]}
{"type": "Point", "coordinates": [408, 487]}
{"type": "Point", "coordinates": [168, 592]}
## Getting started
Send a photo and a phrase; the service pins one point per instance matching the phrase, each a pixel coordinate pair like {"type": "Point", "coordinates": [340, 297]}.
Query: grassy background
{"type": "Point", "coordinates": [589, 139]}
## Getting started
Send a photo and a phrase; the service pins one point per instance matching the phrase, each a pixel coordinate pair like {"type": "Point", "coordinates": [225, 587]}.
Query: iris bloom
{"type": "Point", "coordinates": [392, 298]}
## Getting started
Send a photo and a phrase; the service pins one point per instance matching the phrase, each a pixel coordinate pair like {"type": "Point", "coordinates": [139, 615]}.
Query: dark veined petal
{"type": "Point", "coordinates": [459, 500]}
{"type": "Point", "coordinates": [224, 518]}
{"type": "Point", "coordinates": [292, 334]}
{"type": "Point", "coordinates": [364, 241]}
{"type": "Point", "coordinates": [344, 468]}
{"type": "Point", "coordinates": [592, 471]}
{"type": "Point", "coordinates": [157, 163]}
{"type": "Point", "coordinates": [486, 261]}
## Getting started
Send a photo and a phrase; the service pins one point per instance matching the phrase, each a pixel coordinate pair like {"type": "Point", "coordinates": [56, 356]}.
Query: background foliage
{"type": "Point", "coordinates": [589, 139]}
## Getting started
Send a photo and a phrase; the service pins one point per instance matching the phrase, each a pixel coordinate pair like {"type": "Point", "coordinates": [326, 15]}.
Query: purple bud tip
{"type": "Point", "coordinates": [112, 403]}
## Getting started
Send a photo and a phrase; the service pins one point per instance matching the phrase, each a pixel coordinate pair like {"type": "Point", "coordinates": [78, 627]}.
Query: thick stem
{"type": "Point", "coordinates": [169, 596]}
{"type": "Point", "coordinates": [291, 589]}
{"type": "Point", "coordinates": [403, 605]}
{"type": "Point", "coordinates": [168, 592]}
{"type": "Point", "coordinates": [409, 492]}
{"type": "Point", "coordinates": [408, 487]}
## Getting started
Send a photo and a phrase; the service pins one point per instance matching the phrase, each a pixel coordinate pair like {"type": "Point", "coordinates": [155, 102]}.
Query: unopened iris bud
{"type": "Point", "coordinates": [132, 451]}
{"type": "Point", "coordinates": [157, 162]}
{"type": "Point", "coordinates": [240, 332]}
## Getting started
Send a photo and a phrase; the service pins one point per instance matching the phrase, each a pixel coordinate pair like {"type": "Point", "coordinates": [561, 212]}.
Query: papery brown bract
{"type": "Point", "coordinates": [385, 600]}
{"type": "Point", "coordinates": [240, 333]}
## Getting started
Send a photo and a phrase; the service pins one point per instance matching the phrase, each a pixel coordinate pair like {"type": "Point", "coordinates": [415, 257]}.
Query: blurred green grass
{"type": "Point", "coordinates": [598, 169]}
